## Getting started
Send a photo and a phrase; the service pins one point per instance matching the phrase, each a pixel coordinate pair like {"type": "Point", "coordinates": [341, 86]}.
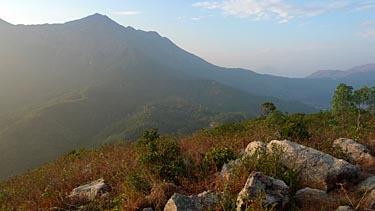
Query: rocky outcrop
{"type": "Point", "coordinates": [274, 191]}
{"type": "Point", "coordinates": [202, 201]}
{"type": "Point", "coordinates": [307, 197]}
{"type": "Point", "coordinates": [315, 168]}
{"type": "Point", "coordinates": [89, 191]}
{"type": "Point", "coordinates": [356, 152]}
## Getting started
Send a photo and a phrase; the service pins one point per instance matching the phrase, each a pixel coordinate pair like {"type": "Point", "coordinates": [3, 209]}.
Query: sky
{"type": "Point", "coordinates": [281, 37]}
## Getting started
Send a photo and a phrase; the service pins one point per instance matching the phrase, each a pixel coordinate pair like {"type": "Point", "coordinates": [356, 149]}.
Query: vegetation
{"type": "Point", "coordinates": [146, 172]}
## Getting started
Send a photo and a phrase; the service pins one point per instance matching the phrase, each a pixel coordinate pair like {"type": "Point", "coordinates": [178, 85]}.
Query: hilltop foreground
{"type": "Point", "coordinates": [147, 173]}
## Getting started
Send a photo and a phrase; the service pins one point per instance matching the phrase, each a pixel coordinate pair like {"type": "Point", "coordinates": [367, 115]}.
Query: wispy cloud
{"type": "Point", "coordinates": [281, 11]}
{"type": "Point", "coordinates": [368, 33]}
{"type": "Point", "coordinates": [129, 12]}
{"type": "Point", "coordinates": [368, 23]}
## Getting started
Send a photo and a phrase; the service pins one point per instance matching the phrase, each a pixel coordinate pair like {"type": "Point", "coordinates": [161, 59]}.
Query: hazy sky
{"type": "Point", "coordinates": [281, 37]}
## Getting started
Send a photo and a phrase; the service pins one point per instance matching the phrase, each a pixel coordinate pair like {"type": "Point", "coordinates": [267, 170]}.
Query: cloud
{"type": "Point", "coordinates": [130, 12]}
{"type": "Point", "coordinates": [368, 33]}
{"type": "Point", "coordinates": [368, 23]}
{"type": "Point", "coordinates": [281, 11]}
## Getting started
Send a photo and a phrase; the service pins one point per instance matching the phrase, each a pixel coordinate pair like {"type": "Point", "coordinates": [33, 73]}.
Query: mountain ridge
{"type": "Point", "coordinates": [336, 74]}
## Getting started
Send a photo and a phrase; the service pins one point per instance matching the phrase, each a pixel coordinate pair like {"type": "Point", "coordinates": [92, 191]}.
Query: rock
{"type": "Point", "coordinates": [161, 193]}
{"type": "Point", "coordinates": [308, 197]}
{"type": "Point", "coordinates": [207, 199]}
{"type": "Point", "coordinates": [275, 191]}
{"type": "Point", "coordinates": [89, 191]}
{"type": "Point", "coordinates": [253, 148]}
{"type": "Point", "coordinates": [148, 209]}
{"type": "Point", "coordinates": [368, 187]}
{"type": "Point", "coordinates": [344, 208]}
{"type": "Point", "coordinates": [356, 152]}
{"type": "Point", "coordinates": [316, 169]}
{"type": "Point", "coordinates": [226, 171]}
{"type": "Point", "coordinates": [179, 202]}
{"type": "Point", "coordinates": [202, 201]}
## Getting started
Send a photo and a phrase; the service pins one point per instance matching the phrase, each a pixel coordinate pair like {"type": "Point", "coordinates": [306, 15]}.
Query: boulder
{"type": "Point", "coordinates": [179, 202]}
{"type": "Point", "coordinates": [202, 201]}
{"type": "Point", "coordinates": [316, 169]}
{"type": "Point", "coordinates": [309, 197]}
{"type": "Point", "coordinates": [368, 187]}
{"type": "Point", "coordinates": [207, 199]}
{"type": "Point", "coordinates": [89, 191]}
{"type": "Point", "coordinates": [274, 191]}
{"type": "Point", "coordinates": [344, 208]}
{"type": "Point", "coordinates": [253, 148]}
{"type": "Point", "coordinates": [356, 152]}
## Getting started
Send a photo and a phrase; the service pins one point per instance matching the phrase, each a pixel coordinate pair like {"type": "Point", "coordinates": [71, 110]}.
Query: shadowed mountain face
{"type": "Point", "coordinates": [93, 81]}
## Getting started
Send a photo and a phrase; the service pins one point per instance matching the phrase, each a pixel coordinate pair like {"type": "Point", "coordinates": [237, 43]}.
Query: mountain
{"type": "Point", "coordinates": [92, 81]}
{"type": "Point", "coordinates": [364, 72]}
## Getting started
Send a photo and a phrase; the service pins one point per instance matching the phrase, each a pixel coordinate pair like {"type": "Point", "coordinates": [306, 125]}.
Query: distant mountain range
{"type": "Point", "coordinates": [93, 81]}
{"type": "Point", "coordinates": [364, 72]}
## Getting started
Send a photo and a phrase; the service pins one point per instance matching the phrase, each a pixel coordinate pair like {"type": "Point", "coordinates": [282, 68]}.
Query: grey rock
{"type": "Point", "coordinates": [368, 187]}
{"type": "Point", "coordinates": [315, 168]}
{"type": "Point", "coordinates": [344, 208]}
{"type": "Point", "coordinates": [202, 201]}
{"type": "Point", "coordinates": [148, 209]}
{"type": "Point", "coordinates": [89, 191]}
{"type": "Point", "coordinates": [207, 199]}
{"type": "Point", "coordinates": [367, 184]}
{"type": "Point", "coordinates": [226, 171]}
{"type": "Point", "coordinates": [356, 152]}
{"type": "Point", "coordinates": [275, 191]}
{"type": "Point", "coordinates": [179, 202]}
{"type": "Point", "coordinates": [309, 196]}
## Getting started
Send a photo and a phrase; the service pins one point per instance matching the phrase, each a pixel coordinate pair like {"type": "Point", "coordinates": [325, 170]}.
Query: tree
{"type": "Point", "coordinates": [267, 108]}
{"type": "Point", "coordinates": [361, 99]}
{"type": "Point", "coordinates": [371, 100]}
{"type": "Point", "coordinates": [343, 99]}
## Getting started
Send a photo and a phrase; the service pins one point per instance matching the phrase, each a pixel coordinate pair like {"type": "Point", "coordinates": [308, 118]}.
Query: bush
{"type": "Point", "coordinates": [218, 157]}
{"type": "Point", "coordinates": [138, 184]}
{"type": "Point", "coordinates": [294, 128]}
{"type": "Point", "coordinates": [161, 157]}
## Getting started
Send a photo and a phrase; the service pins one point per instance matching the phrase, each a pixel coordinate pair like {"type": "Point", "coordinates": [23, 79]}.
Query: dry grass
{"type": "Point", "coordinates": [47, 187]}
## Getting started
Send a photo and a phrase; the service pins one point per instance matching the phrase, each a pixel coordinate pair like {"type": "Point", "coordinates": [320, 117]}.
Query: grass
{"type": "Point", "coordinates": [135, 185]}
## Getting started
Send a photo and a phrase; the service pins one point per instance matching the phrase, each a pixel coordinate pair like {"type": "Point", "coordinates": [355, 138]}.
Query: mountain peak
{"type": "Point", "coordinates": [95, 19]}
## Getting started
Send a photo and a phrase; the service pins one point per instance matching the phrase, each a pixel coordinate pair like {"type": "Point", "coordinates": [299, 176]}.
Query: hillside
{"type": "Point", "coordinates": [362, 73]}
{"type": "Point", "coordinates": [138, 177]}
{"type": "Point", "coordinates": [93, 81]}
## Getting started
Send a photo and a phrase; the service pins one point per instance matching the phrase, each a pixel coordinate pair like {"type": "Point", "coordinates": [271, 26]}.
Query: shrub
{"type": "Point", "coordinates": [295, 128]}
{"type": "Point", "coordinates": [161, 157]}
{"type": "Point", "coordinates": [137, 183]}
{"type": "Point", "coordinates": [218, 157]}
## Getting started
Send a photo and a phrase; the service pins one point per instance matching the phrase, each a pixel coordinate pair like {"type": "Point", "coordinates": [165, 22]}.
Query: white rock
{"type": "Point", "coordinates": [315, 168]}
{"type": "Point", "coordinates": [357, 153]}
